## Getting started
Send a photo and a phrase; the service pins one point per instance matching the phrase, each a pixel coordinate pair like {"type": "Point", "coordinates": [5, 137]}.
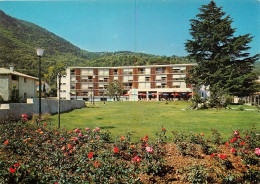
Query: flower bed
{"type": "Point", "coordinates": [41, 154]}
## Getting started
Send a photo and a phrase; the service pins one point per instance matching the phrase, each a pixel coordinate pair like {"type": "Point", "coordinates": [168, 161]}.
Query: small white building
{"type": "Point", "coordinates": [16, 86]}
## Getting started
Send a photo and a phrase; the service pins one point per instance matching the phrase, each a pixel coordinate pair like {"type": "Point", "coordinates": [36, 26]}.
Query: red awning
{"type": "Point", "coordinates": [175, 94]}
{"type": "Point", "coordinates": [191, 94]}
{"type": "Point", "coordinates": [142, 94]}
{"type": "Point", "coordinates": [127, 94]}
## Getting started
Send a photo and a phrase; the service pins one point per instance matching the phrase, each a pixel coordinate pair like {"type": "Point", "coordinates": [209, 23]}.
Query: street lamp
{"type": "Point", "coordinates": [39, 54]}
{"type": "Point", "coordinates": [94, 89]}
{"type": "Point", "coordinates": [59, 85]}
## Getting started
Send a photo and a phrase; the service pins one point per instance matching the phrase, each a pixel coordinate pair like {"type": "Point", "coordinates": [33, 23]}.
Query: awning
{"type": "Point", "coordinates": [191, 94]}
{"type": "Point", "coordinates": [165, 94]}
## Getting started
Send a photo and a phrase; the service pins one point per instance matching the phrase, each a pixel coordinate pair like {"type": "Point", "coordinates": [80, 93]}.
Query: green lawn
{"type": "Point", "coordinates": [143, 118]}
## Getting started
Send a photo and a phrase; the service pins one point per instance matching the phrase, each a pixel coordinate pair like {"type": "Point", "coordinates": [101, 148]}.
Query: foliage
{"type": "Point", "coordinates": [20, 38]}
{"type": "Point", "coordinates": [223, 63]}
{"type": "Point", "coordinates": [42, 154]}
{"type": "Point", "coordinates": [115, 89]}
{"type": "Point", "coordinates": [14, 94]}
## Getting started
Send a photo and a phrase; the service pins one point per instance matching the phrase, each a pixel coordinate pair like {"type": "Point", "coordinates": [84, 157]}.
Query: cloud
{"type": "Point", "coordinates": [115, 36]}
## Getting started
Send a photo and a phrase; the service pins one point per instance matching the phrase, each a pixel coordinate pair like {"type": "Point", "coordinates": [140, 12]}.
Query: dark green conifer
{"type": "Point", "coordinates": [223, 61]}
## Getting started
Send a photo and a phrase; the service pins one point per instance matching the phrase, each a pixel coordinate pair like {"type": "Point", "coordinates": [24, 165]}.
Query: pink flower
{"type": "Point", "coordinates": [94, 130]}
{"type": "Point", "coordinates": [149, 149]}
{"type": "Point", "coordinates": [76, 130]}
{"type": "Point", "coordinates": [257, 151]}
{"type": "Point", "coordinates": [75, 139]}
{"type": "Point", "coordinates": [63, 148]}
{"type": "Point", "coordinates": [80, 134]}
{"type": "Point", "coordinates": [136, 159]}
{"type": "Point", "coordinates": [97, 128]}
{"type": "Point", "coordinates": [87, 129]}
{"type": "Point", "coordinates": [85, 136]}
{"type": "Point", "coordinates": [24, 119]}
{"type": "Point", "coordinates": [236, 132]}
{"type": "Point", "coordinates": [242, 143]}
{"type": "Point", "coordinates": [24, 116]}
{"type": "Point", "coordinates": [232, 150]}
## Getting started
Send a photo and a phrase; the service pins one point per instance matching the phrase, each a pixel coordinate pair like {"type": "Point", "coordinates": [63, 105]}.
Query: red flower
{"type": "Point", "coordinates": [222, 156]}
{"type": "Point", "coordinates": [56, 133]}
{"type": "Point", "coordinates": [62, 139]}
{"type": "Point", "coordinates": [146, 139]}
{"type": "Point", "coordinates": [24, 119]}
{"type": "Point", "coordinates": [97, 164]}
{"type": "Point", "coordinates": [24, 116]}
{"type": "Point", "coordinates": [232, 150]}
{"type": "Point", "coordinates": [136, 159]}
{"type": "Point", "coordinates": [90, 155]}
{"type": "Point", "coordinates": [236, 132]}
{"type": "Point", "coordinates": [163, 129]}
{"type": "Point", "coordinates": [6, 142]}
{"type": "Point", "coordinates": [45, 124]}
{"type": "Point", "coordinates": [69, 146]}
{"type": "Point", "coordinates": [12, 170]}
{"type": "Point", "coordinates": [247, 137]}
{"type": "Point", "coordinates": [227, 144]}
{"type": "Point", "coordinates": [146, 136]}
{"type": "Point", "coordinates": [238, 136]}
{"type": "Point", "coordinates": [76, 130]}
{"type": "Point", "coordinates": [63, 148]}
{"type": "Point", "coordinates": [17, 164]}
{"type": "Point", "coordinates": [66, 153]}
{"type": "Point", "coordinates": [245, 151]}
{"type": "Point", "coordinates": [233, 140]}
{"type": "Point", "coordinates": [116, 149]}
{"type": "Point", "coordinates": [142, 138]}
{"type": "Point", "coordinates": [212, 155]}
{"type": "Point", "coordinates": [242, 143]}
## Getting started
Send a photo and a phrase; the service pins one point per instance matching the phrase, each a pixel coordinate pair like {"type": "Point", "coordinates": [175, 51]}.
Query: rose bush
{"type": "Point", "coordinates": [43, 154]}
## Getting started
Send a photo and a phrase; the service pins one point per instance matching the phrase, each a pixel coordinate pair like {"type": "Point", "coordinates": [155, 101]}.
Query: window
{"type": "Point", "coordinates": [176, 86]}
{"type": "Point", "coordinates": [115, 71]}
{"type": "Point", "coordinates": [25, 80]}
{"type": "Point", "coordinates": [15, 77]}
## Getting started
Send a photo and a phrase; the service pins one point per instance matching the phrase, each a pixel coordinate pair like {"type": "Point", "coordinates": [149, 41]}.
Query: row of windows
{"type": "Point", "coordinates": [105, 72]}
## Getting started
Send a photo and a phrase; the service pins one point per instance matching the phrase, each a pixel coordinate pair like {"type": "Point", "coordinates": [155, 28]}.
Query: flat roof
{"type": "Point", "coordinates": [8, 71]}
{"type": "Point", "coordinates": [142, 66]}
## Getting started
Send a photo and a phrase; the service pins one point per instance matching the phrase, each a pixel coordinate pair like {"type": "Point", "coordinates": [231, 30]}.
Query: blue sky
{"type": "Point", "coordinates": [158, 27]}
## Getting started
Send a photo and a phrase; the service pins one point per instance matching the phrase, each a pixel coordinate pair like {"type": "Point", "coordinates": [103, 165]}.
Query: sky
{"type": "Point", "coordinates": [159, 27]}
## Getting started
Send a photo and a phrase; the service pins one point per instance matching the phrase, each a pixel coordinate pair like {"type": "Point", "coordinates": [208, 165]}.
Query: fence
{"type": "Point", "coordinates": [14, 110]}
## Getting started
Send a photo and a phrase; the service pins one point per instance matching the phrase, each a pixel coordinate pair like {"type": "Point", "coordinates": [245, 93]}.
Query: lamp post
{"type": "Point", "coordinates": [59, 85]}
{"type": "Point", "coordinates": [39, 54]}
{"type": "Point", "coordinates": [94, 89]}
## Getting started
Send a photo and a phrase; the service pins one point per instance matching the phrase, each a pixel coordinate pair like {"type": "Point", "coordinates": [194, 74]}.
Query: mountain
{"type": "Point", "coordinates": [19, 38]}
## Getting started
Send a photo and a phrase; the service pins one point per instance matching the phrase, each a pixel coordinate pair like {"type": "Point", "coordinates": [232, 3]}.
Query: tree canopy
{"type": "Point", "coordinates": [223, 61]}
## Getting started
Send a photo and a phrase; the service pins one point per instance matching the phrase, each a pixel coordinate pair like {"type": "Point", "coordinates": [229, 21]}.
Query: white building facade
{"type": "Point", "coordinates": [150, 82]}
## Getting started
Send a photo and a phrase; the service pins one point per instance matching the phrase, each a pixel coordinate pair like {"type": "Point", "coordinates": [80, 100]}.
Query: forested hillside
{"type": "Point", "coordinates": [18, 40]}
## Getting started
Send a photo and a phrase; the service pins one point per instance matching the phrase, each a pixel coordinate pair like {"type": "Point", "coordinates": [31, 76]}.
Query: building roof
{"type": "Point", "coordinates": [4, 71]}
{"type": "Point", "coordinates": [141, 66]}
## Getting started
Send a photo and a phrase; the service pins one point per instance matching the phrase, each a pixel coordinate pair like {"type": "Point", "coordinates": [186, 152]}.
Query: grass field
{"type": "Point", "coordinates": [141, 118]}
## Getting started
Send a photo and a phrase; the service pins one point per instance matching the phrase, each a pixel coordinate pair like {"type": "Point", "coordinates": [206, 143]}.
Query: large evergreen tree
{"type": "Point", "coordinates": [223, 61]}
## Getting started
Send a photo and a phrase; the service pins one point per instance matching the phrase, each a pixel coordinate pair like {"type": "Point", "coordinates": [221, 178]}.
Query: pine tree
{"type": "Point", "coordinates": [223, 61]}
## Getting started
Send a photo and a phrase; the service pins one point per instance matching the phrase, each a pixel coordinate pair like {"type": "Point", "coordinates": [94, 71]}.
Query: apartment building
{"type": "Point", "coordinates": [150, 82]}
